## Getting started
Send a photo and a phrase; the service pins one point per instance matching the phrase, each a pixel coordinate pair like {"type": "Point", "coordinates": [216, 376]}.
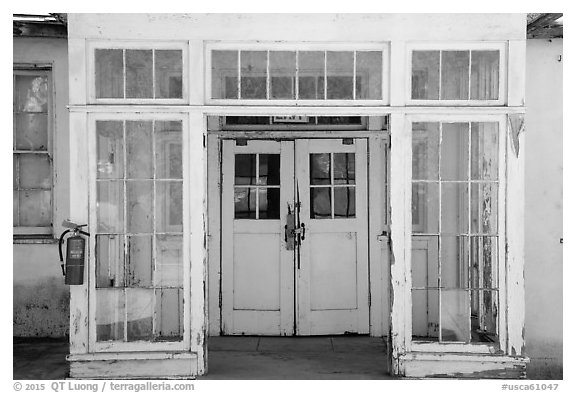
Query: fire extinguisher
{"type": "Point", "coordinates": [75, 253]}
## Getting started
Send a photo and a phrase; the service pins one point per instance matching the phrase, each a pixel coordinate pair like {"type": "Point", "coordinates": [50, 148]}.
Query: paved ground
{"type": "Point", "coordinates": [338, 357]}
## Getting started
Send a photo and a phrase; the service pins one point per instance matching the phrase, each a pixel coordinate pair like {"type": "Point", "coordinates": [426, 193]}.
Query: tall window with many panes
{"type": "Point", "coordinates": [32, 155]}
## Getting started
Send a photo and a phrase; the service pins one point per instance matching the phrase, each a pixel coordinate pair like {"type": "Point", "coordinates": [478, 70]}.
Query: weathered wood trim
{"type": "Point", "coordinates": [516, 73]}
{"type": "Point", "coordinates": [400, 216]}
{"type": "Point", "coordinates": [397, 73]}
{"type": "Point", "coordinates": [79, 214]}
{"type": "Point", "coordinates": [194, 89]}
{"type": "Point", "coordinates": [446, 365]}
{"type": "Point", "coordinates": [198, 257]}
{"type": "Point", "coordinates": [214, 237]}
{"type": "Point", "coordinates": [144, 365]}
{"type": "Point", "coordinates": [253, 110]}
{"type": "Point", "coordinates": [515, 235]}
{"type": "Point", "coordinates": [377, 247]}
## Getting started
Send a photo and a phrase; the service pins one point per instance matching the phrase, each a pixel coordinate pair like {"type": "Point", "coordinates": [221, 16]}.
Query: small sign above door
{"type": "Point", "coordinates": [290, 119]}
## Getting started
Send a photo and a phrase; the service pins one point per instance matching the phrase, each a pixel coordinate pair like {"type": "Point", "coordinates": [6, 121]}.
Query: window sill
{"type": "Point", "coordinates": [34, 239]}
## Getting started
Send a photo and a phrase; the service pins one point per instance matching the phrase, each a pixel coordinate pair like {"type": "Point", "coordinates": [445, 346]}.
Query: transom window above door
{"type": "Point", "coordinates": [138, 73]}
{"type": "Point", "coordinates": [296, 74]}
{"type": "Point", "coordinates": [462, 74]}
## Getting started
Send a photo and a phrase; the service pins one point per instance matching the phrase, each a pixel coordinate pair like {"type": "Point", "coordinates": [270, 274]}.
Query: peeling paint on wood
{"type": "Point", "coordinates": [515, 128]}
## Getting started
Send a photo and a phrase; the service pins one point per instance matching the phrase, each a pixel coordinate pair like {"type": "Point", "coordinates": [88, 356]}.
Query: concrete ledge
{"type": "Point", "coordinates": [147, 365]}
{"type": "Point", "coordinates": [457, 365]}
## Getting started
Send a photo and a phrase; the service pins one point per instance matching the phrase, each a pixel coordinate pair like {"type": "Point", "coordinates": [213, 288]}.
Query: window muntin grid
{"type": "Point", "coordinates": [455, 183]}
{"type": "Point", "coordinates": [139, 239]}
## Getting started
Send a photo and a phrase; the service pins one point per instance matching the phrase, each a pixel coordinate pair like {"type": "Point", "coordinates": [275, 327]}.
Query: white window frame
{"type": "Point", "coordinates": [145, 45]}
{"type": "Point", "coordinates": [457, 46]}
{"type": "Point", "coordinates": [384, 47]}
{"type": "Point", "coordinates": [141, 345]}
{"type": "Point", "coordinates": [443, 347]}
{"type": "Point", "coordinates": [37, 69]}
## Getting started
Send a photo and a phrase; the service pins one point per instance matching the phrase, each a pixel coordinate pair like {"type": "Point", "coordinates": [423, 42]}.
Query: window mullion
{"type": "Point", "coordinates": [124, 72]}
{"type": "Point", "coordinates": [439, 267]}
{"type": "Point", "coordinates": [239, 82]}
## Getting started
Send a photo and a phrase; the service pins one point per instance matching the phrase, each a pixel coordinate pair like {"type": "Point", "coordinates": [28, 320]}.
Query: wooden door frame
{"type": "Point", "coordinates": [378, 206]}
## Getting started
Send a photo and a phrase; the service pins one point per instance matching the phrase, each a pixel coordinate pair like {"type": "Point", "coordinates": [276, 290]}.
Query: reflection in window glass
{"type": "Point", "coordinates": [320, 202]}
{"type": "Point", "coordinates": [311, 75]}
{"type": "Point", "coordinates": [484, 77]}
{"type": "Point", "coordinates": [425, 75]}
{"type": "Point", "coordinates": [224, 74]}
{"type": "Point", "coordinates": [369, 75]}
{"type": "Point", "coordinates": [455, 68]}
{"type": "Point", "coordinates": [139, 73]}
{"type": "Point", "coordinates": [168, 73]}
{"type": "Point", "coordinates": [340, 75]}
{"type": "Point", "coordinates": [282, 75]}
{"type": "Point", "coordinates": [109, 65]}
{"type": "Point", "coordinates": [253, 74]}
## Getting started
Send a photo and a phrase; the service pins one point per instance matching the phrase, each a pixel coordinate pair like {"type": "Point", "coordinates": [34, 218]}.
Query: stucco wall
{"type": "Point", "coordinates": [543, 225]}
{"type": "Point", "coordinates": [40, 298]}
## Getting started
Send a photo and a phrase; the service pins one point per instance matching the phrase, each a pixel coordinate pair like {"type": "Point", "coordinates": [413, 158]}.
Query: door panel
{"type": "Point", "coordinates": [332, 289]}
{"type": "Point", "coordinates": [320, 286]}
{"type": "Point", "coordinates": [257, 269]}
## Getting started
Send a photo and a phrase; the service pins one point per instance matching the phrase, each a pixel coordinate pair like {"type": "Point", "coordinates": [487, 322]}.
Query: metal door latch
{"type": "Point", "coordinates": [384, 236]}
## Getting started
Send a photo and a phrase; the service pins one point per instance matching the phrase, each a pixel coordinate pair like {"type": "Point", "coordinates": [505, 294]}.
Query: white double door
{"type": "Point", "coordinates": [294, 237]}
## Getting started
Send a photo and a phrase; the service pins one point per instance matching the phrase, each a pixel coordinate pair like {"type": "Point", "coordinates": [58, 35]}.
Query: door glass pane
{"type": "Point", "coordinates": [110, 206]}
{"type": "Point", "coordinates": [484, 150]}
{"type": "Point", "coordinates": [425, 315]}
{"type": "Point", "coordinates": [455, 68]}
{"type": "Point", "coordinates": [425, 75]}
{"type": "Point", "coordinates": [138, 73]}
{"type": "Point", "coordinates": [320, 168]}
{"type": "Point", "coordinates": [245, 169]}
{"type": "Point", "coordinates": [282, 75]}
{"type": "Point", "coordinates": [168, 73]}
{"type": "Point", "coordinates": [31, 131]}
{"type": "Point", "coordinates": [225, 74]}
{"type": "Point", "coordinates": [454, 160]}
{"type": "Point", "coordinates": [109, 261]}
{"type": "Point", "coordinates": [311, 75]}
{"type": "Point", "coordinates": [344, 168]}
{"type": "Point", "coordinates": [425, 147]}
{"type": "Point", "coordinates": [139, 150]}
{"type": "Point", "coordinates": [139, 207]}
{"type": "Point", "coordinates": [110, 315]}
{"type": "Point", "coordinates": [340, 75]}
{"type": "Point", "coordinates": [110, 149]}
{"type": "Point", "coordinates": [169, 311]}
{"type": "Point", "coordinates": [344, 202]}
{"type": "Point", "coordinates": [484, 78]}
{"type": "Point", "coordinates": [139, 263]}
{"type": "Point", "coordinates": [169, 257]}
{"type": "Point", "coordinates": [455, 315]}
{"type": "Point", "coordinates": [169, 203]}
{"type": "Point", "coordinates": [269, 171]}
{"type": "Point", "coordinates": [139, 310]}
{"type": "Point", "coordinates": [168, 146]}
{"type": "Point", "coordinates": [253, 75]}
{"type": "Point", "coordinates": [269, 203]}
{"type": "Point", "coordinates": [35, 171]}
{"type": "Point", "coordinates": [369, 75]}
{"type": "Point", "coordinates": [244, 202]}
{"type": "Point", "coordinates": [425, 208]}
{"type": "Point", "coordinates": [320, 202]}
{"type": "Point", "coordinates": [109, 67]}
{"type": "Point", "coordinates": [454, 208]}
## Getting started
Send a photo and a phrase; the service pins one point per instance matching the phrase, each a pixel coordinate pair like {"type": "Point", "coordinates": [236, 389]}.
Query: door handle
{"type": "Point", "coordinates": [289, 230]}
